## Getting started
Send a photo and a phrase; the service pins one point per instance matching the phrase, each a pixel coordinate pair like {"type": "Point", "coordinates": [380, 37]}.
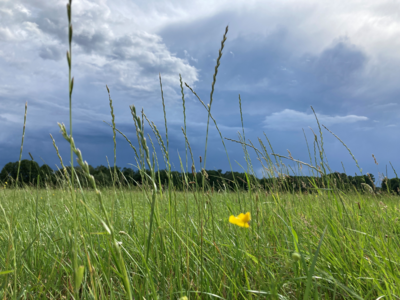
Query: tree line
{"type": "Point", "coordinates": [32, 174]}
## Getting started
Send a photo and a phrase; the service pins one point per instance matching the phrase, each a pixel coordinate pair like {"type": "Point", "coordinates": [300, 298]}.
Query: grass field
{"type": "Point", "coordinates": [348, 244]}
{"type": "Point", "coordinates": [143, 242]}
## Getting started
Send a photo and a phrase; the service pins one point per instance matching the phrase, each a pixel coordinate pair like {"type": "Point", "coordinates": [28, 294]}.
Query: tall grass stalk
{"type": "Point", "coordinates": [321, 152]}
{"type": "Point", "coordinates": [76, 270]}
{"type": "Point", "coordinates": [22, 144]}
{"type": "Point", "coordinates": [13, 209]}
{"type": "Point", "coordinates": [212, 91]}
{"type": "Point", "coordinates": [166, 137]}
{"type": "Point", "coordinates": [246, 153]}
{"type": "Point", "coordinates": [184, 118]}
{"type": "Point", "coordinates": [114, 136]}
{"type": "Point", "coordinates": [216, 126]}
{"type": "Point", "coordinates": [308, 149]}
{"type": "Point", "coordinates": [11, 241]}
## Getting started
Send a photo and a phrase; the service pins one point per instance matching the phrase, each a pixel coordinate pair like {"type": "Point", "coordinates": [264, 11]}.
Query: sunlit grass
{"type": "Point", "coordinates": [358, 258]}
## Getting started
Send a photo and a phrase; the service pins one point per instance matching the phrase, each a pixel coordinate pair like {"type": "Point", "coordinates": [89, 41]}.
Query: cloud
{"type": "Point", "coordinates": [50, 52]}
{"type": "Point", "coordinates": [108, 48]}
{"type": "Point", "coordinates": [336, 65]}
{"type": "Point", "coordinates": [6, 34]}
{"type": "Point", "coordinates": [189, 56]}
{"type": "Point", "coordinates": [289, 119]}
{"type": "Point", "coordinates": [384, 105]}
{"type": "Point", "coordinates": [277, 55]}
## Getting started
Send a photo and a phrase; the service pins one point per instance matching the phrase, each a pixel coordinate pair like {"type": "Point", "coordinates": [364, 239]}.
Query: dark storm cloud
{"type": "Point", "coordinates": [272, 75]}
{"type": "Point", "coordinates": [336, 65]}
{"type": "Point", "coordinates": [90, 41]}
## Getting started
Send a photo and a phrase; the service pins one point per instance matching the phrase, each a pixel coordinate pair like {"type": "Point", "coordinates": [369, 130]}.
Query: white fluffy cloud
{"type": "Point", "coordinates": [289, 119]}
{"type": "Point", "coordinates": [108, 48]}
{"type": "Point", "coordinates": [101, 51]}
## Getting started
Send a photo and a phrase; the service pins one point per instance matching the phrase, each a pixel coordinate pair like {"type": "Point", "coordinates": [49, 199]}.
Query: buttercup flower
{"type": "Point", "coordinates": [241, 220]}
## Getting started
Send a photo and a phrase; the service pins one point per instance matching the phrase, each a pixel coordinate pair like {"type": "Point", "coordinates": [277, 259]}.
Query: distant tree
{"type": "Point", "coordinates": [29, 170]}
{"type": "Point", "coordinates": [47, 174]}
{"type": "Point", "coordinates": [128, 174]}
{"type": "Point", "coordinates": [391, 185]}
{"type": "Point", "coordinates": [102, 175]}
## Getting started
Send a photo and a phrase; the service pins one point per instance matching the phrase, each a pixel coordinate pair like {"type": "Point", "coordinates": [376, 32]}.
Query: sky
{"type": "Point", "coordinates": [281, 57]}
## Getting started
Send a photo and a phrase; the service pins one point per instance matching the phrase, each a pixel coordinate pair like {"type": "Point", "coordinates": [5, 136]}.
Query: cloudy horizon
{"type": "Point", "coordinates": [281, 57]}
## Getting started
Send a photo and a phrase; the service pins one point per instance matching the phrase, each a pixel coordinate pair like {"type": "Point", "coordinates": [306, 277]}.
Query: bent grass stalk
{"type": "Point", "coordinates": [60, 158]}
{"type": "Point", "coordinates": [278, 155]}
{"type": "Point", "coordinates": [348, 149]}
{"type": "Point", "coordinates": [216, 126]}
{"type": "Point", "coordinates": [118, 259]}
{"type": "Point", "coordinates": [393, 170]}
{"type": "Point", "coordinates": [190, 149]}
{"type": "Point", "coordinates": [129, 142]}
{"type": "Point", "coordinates": [159, 139]}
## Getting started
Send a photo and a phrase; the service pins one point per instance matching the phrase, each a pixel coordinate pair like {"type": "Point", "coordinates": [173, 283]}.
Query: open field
{"type": "Point", "coordinates": [194, 248]}
{"type": "Point", "coordinates": [151, 241]}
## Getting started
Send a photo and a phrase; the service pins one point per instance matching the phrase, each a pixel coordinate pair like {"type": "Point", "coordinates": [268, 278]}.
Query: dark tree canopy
{"type": "Point", "coordinates": [31, 173]}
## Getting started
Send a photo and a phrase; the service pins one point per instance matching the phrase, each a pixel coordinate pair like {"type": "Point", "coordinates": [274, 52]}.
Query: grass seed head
{"type": "Point", "coordinates": [296, 256]}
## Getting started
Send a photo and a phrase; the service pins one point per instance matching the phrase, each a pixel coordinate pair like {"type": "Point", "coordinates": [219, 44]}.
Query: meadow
{"type": "Point", "coordinates": [81, 240]}
{"type": "Point", "coordinates": [348, 245]}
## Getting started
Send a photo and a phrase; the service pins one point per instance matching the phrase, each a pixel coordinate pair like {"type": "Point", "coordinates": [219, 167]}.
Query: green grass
{"type": "Point", "coordinates": [358, 258]}
{"type": "Point", "coordinates": [146, 243]}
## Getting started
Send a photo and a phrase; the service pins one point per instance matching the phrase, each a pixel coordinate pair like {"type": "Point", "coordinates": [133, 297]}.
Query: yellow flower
{"type": "Point", "coordinates": [241, 220]}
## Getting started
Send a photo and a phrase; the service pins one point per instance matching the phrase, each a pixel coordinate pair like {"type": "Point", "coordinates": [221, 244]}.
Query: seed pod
{"type": "Point", "coordinates": [296, 256]}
